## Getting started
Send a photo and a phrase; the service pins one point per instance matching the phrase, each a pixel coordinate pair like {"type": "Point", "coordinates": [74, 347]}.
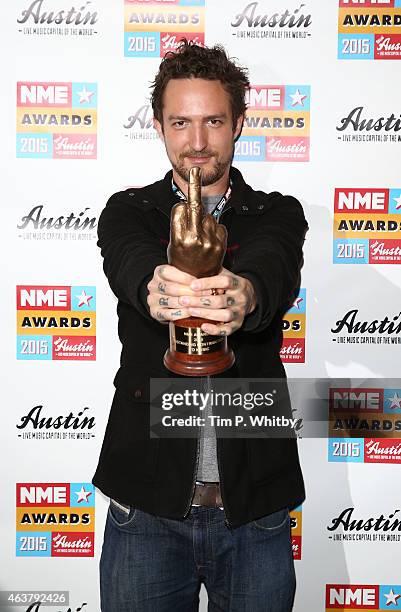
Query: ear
{"type": "Point", "coordinates": [158, 127]}
{"type": "Point", "coordinates": [238, 127]}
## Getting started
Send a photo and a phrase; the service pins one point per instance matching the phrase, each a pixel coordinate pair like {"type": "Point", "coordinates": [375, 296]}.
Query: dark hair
{"type": "Point", "coordinates": [211, 63]}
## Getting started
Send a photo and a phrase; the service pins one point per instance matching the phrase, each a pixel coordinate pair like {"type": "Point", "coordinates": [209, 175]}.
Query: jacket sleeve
{"type": "Point", "coordinates": [129, 249]}
{"type": "Point", "coordinates": [272, 259]}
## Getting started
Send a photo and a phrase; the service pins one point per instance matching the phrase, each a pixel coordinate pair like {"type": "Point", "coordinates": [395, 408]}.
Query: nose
{"type": "Point", "coordinates": [198, 137]}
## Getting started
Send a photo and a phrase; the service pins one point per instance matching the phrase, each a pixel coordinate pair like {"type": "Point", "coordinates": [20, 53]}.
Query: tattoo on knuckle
{"type": "Point", "coordinates": [235, 315]}
{"type": "Point", "coordinates": [163, 301]}
{"type": "Point", "coordinates": [162, 287]}
{"type": "Point", "coordinates": [235, 282]}
{"type": "Point", "coordinates": [205, 301]}
{"type": "Point", "coordinates": [160, 316]}
{"type": "Point", "coordinates": [177, 313]}
{"type": "Point", "coordinates": [230, 301]}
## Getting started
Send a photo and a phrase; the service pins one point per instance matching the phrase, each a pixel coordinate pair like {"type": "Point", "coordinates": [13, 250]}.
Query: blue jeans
{"type": "Point", "coordinates": [155, 564]}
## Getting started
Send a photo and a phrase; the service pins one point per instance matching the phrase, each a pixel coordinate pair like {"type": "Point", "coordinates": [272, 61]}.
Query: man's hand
{"type": "Point", "coordinates": [165, 288]}
{"type": "Point", "coordinates": [230, 308]}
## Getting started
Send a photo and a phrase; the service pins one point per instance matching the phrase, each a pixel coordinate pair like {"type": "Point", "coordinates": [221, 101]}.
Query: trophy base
{"type": "Point", "coordinates": [195, 353]}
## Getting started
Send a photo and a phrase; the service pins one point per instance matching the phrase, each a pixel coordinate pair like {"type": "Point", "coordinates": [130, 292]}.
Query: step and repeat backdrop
{"type": "Point", "coordinates": [323, 124]}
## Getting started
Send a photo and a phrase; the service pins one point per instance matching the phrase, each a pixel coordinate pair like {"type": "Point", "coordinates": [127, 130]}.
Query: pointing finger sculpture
{"type": "Point", "coordinates": [197, 246]}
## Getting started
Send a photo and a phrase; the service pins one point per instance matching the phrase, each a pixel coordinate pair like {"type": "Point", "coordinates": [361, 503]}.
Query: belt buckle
{"type": "Point", "coordinates": [204, 484]}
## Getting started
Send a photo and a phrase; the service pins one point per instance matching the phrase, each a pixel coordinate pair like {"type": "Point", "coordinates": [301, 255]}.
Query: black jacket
{"type": "Point", "coordinates": [265, 238]}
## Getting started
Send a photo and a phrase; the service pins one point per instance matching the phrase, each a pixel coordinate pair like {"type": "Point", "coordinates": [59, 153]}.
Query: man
{"type": "Point", "coordinates": [187, 510]}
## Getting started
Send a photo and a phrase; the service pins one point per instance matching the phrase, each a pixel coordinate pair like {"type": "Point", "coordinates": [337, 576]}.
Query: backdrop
{"type": "Point", "coordinates": [324, 125]}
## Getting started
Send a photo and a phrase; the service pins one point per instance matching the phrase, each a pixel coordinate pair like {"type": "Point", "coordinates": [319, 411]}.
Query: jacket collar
{"type": "Point", "coordinates": [244, 200]}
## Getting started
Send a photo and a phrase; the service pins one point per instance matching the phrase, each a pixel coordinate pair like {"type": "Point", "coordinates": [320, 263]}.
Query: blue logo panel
{"type": "Point", "coordinates": [389, 596]}
{"type": "Point", "coordinates": [82, 494]}
{"type": "Point", "coordinates": [250, 148]}
{"type": "Point", "coordinates": [35, 145]}
{"type": "Point", "coordinates": [356, 46]}
{"type": "Point", "coordinates": [34, 347]}
{"type": "Point", "coordinates": [297, 97]}
{"type": "Point", "coordinates": [394, 202]}
{"type": "Point", "coordinates": [299, 303]}
{"type": "Point", "coordinates": [346, 450]}
{"type": "Point", "coordinates": [350, 251]}
{"type": "Point", "coordinates": [84, 95]}
{"type": "Point", "coordinates": [142, 44]}
{"type": "Point", "coordinates": [34, 544]}
{"type": "Point", "coordinates": [392, 401]}
{"type": "Point", "coordinates": [83, 297]}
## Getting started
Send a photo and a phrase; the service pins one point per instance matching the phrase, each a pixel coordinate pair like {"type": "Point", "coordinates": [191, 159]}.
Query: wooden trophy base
{"type": "Point", "coordinates": [192, 352]}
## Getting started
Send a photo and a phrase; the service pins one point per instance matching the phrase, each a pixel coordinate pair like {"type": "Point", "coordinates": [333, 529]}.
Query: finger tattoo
{"type": "Point", "coordinates": [235, 314]}
{"type": "Point", "coordinates": [230, 301]}
{"type": "Point", "coordinates": [162, 287]}
{"type": "Point", "coordinates": [235, 282]}
{"type": "Point", "coordinates": [205, 301]}
{"type": "Point", "coordinates": [177, 313]}
{"type": "Point", "coordinates": [160, 316]}
{"type": "Point", "coordinates": [163, 301]}
{"type": "Point", "coordinates": [223, 332]}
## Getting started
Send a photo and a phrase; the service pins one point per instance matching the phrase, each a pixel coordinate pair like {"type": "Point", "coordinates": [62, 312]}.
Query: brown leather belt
{"type": "Point", "coordinates": [207, 494]}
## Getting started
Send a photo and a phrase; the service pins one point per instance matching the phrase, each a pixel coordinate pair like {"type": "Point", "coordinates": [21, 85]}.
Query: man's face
{"type": "Point", "coordinates": [197, 128]}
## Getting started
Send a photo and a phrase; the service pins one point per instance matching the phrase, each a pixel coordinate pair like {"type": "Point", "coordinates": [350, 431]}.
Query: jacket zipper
{"type": "Point", "coordinates": [193, 475]}
{"type": "Point", "coordinates": [226, 521]}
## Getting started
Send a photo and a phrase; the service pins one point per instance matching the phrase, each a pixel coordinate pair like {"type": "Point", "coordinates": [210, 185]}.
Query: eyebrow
{"type": "Point", "coordinates": [183, 118]}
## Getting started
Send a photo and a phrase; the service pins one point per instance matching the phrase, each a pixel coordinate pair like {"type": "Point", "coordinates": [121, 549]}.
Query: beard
{"type": "Point", "coordinates": [209, 175]}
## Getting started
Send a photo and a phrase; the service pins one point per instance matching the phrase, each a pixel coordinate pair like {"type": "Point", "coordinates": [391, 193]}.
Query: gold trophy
{"type": "Point", "coordinates": [197, 246]}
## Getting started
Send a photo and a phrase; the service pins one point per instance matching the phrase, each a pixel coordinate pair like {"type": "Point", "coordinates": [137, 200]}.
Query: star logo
{"type": "Point", "coordinates": [82, 495]}
{"type": "Point", "coordinates": [85, 95]}
{"type": "Point", "coordinates": [298, 98]}
{"type": "Point", "coordinates": [83, 299]}
{"type": "Point", "coordinates": [395, 401]}
{"type": "Point", "coordinates": [398, 202]}
{"type": "Point", "coordinates": [392, 598]}
{"type": "Point", "coordinates": [297, 302]}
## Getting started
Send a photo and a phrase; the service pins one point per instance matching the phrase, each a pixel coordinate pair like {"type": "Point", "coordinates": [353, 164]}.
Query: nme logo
{"type": "Point", "coordinates": [153, 28]}
{"type": "Point", "coordinates": [43, 494]}
{"type": "Point", "coordinates": [56, 322]}
{"type": "Point", "coordinates": [357, 200]}
{"type": "Point", "coordinates": [365, 425]}
{"type": "Point", "coordinates": [44, 94]}
{"type": "Point", "coordinates": [43, 298]}
{"type": "Point", "coordinates": [363, 597]}
{"type": "Point", "coordinates": [367, 226]}
{"type": "Point", "coordinates": [55, 519]}
{"type": "Point", "coordinates": [360, 596]}
{"type": "Point", "coordinates": [277, 124]}
{"type": "Point", "coordinates": [56, 120]}
{"type": "Point", "coordinates": [369, 29]}
{"type": "Point", "coordinates": [356, 399]}
{"type": "Point", "coordinates": [266, 96]}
